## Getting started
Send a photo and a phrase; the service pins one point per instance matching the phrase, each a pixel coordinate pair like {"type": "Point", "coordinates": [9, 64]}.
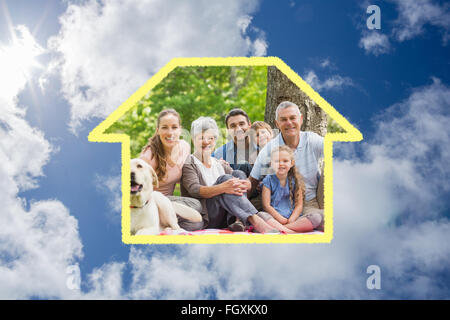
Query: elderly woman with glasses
{"type": "Point", "coordinates": [221, 191]}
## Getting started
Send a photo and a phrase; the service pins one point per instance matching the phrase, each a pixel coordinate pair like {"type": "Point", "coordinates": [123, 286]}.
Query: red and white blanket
{"type": "Point", "coordinates": [217, 231]}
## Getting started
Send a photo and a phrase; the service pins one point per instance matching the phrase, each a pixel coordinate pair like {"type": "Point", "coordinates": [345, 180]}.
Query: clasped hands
{"type": "Point", "coordinates": [236, 186]}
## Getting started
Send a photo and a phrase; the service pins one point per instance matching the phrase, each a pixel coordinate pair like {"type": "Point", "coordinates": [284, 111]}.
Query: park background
{"type": "Point", "coordinates": [202, 91]}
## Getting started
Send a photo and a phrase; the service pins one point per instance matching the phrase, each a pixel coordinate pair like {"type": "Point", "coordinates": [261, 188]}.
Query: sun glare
{"type": "Point", "coordinates": [19, 58]}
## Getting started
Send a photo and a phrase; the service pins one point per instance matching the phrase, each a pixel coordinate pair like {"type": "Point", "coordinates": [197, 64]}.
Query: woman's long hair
{"type": "Point", "coordinates": [294, 176]}
{"type": "Point", "coordinates": [156, 146]}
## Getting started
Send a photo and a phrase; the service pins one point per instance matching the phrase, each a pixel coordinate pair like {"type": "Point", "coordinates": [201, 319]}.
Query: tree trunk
{"type": "Point", "coordinates": [279, 89]}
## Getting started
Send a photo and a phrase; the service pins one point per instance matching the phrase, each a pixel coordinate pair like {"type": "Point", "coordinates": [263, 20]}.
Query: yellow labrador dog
{"type": "Point", "coordinates": [151, 211]}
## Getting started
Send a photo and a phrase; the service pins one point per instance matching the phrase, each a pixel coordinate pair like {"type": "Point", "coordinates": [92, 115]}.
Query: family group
{"type": "Point", "coordinates": [257, 180]}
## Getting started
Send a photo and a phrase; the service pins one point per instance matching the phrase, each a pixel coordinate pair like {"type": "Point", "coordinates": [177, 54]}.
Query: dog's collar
{"type": "Point", "coordinates": [135, 207]}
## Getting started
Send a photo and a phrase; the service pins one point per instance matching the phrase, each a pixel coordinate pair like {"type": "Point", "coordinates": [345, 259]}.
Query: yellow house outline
{"type": "Point", "coordinates": [351, 134]}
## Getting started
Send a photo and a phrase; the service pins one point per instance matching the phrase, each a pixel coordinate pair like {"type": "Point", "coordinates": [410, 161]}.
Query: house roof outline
{"type": "Point", "coordinates": [351, 134]}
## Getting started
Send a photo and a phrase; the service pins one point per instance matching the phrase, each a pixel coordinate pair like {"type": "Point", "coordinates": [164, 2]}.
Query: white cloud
{"type": "Point", "coordinates": [325, 63]}
{"type": "Point", "coordinates": [111, 187]}
{"type": "Point", "coordinates": [37, 243]}
{"type": "Point", "coordinates": [37, 246]}
{"type": "Point", "coordinates": [105, 282]}
{"type": "Point", "coordinates": [259, 47]}
{"type": "Point", "coordinates": [387, 212]}
{"type": "Point", "coordinates": [414, 15]}
{"type": "Point", "coordinates": [375, 43]}
{"type": "Point", "coordinates": [243, 23]}
{"type": "Point", "coordinates": [107, 50]}
{"type": "Point", "coordinates": [335, 82]}
{"type": "Point", "coordinates": [177, 276]}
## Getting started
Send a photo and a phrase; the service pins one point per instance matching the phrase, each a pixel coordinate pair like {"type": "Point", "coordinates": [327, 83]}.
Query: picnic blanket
{"type": "Point", "coordinates": [219, 232]}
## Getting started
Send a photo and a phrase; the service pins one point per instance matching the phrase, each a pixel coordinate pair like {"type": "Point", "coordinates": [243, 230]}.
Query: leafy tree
{"type": "Point", "coordinates": [195, 92]}
{"type": "Point", "coordinates": [333, 126]}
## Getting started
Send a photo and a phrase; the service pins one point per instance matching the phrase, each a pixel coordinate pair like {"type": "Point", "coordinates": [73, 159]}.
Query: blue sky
{"type": "Point", "coordinates": [61, 193]}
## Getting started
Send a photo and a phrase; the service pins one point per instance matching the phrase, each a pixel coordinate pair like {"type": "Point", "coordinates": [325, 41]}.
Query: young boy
{"type": "Point", "coordinates": [260, 134]}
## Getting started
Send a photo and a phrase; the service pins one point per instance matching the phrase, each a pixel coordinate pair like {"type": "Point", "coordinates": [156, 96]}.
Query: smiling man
{"type": "Point", "coordinates": [238, 149]}
{"type": "Point", "coordinates": [308, 150]}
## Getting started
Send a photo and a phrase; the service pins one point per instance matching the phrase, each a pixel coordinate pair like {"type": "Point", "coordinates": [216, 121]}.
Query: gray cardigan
{"type": "Point", "coordinates": [192, 180]}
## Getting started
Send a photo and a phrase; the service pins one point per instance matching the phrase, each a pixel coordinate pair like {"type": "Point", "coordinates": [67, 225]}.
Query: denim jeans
{"type": "Point", "coordinates": [223, 209]}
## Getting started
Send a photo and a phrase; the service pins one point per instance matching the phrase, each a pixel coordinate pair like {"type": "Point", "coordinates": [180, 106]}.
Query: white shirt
{"type": "Point", "coordinates": [210, 175]}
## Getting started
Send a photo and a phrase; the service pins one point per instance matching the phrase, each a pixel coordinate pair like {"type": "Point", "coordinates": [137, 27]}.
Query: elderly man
{"type": "Point", "coordinates": [308, 149]}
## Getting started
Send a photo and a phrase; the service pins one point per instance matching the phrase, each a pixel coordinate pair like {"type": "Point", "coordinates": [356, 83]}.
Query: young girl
{"type": "Point", "coordinates": [283, 194]}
